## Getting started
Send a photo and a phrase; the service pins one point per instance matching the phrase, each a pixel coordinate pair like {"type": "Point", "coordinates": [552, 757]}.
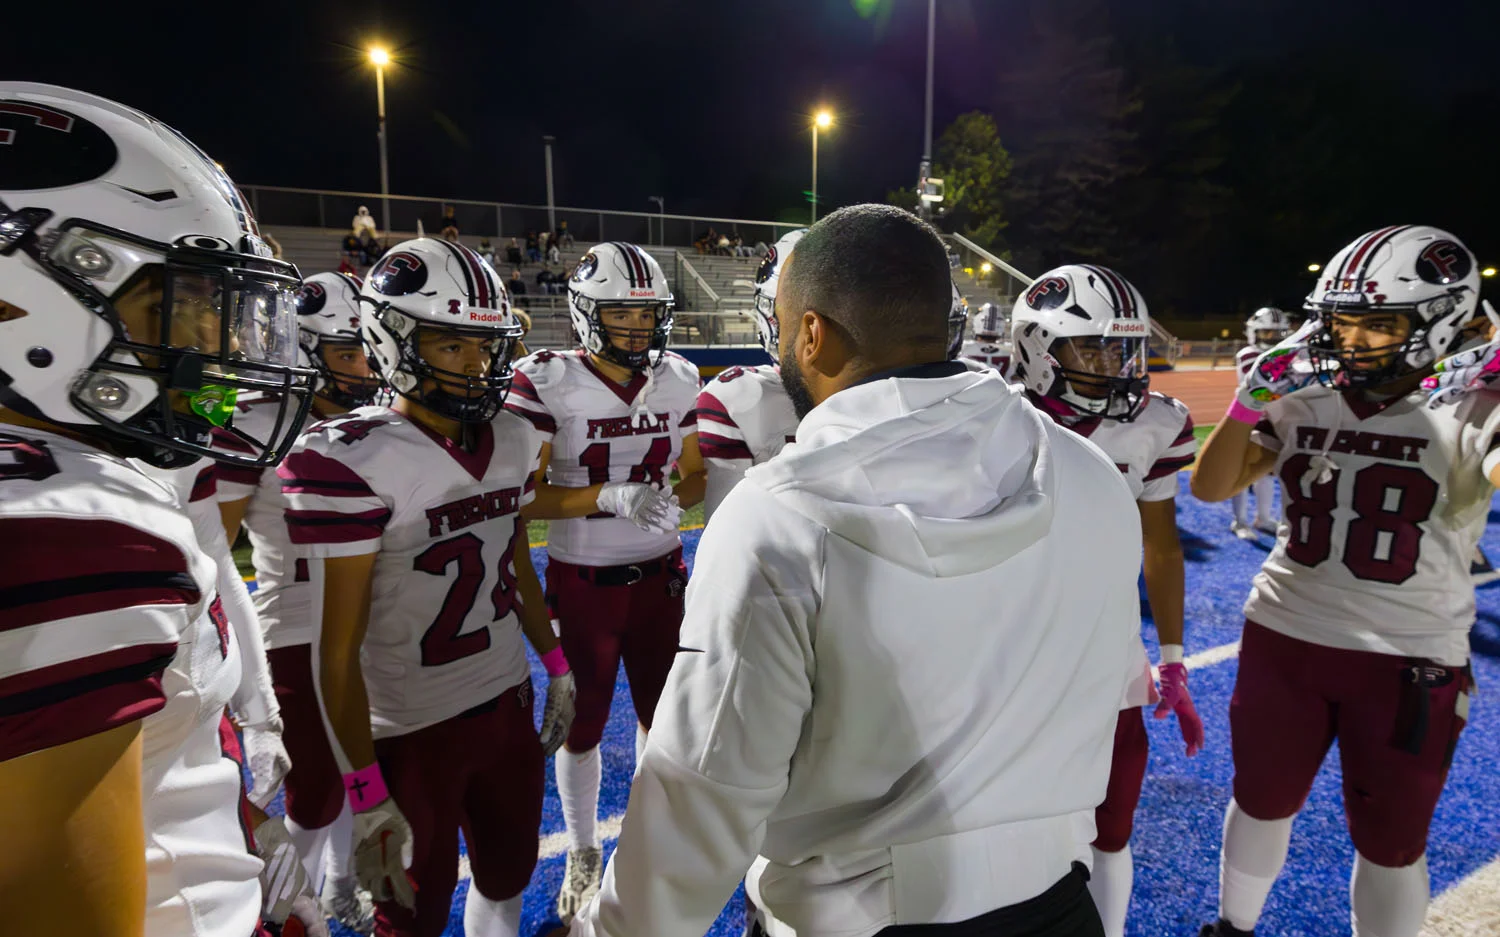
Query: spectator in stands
{"type": "Point", "coordinates": [563, 238]}
{"type": "Point", "coordinates": [723, 247]}
{"type": "Point", "coordinates": [513, 253]}
{"type": "Point", "coordinates": [738, 247]}
{"type": "Point", "coordinates": [533, 248]}
{"type": "Point", "coordinates": [486, 251]}
{"type": "Point", "coordinates": [369, 248]}
{"type": "Point", "coordinates": [545, 281]}
{"type": "Point", "coordinates": [449, 228]}
{"type": "Point", "coordinates": [363, 221]}
{"type": "Point", "coordinates": [554, 256]}
{"type": "Point", "coordinates": [350, 251]}
{"type": "Point", "coordinates": [271, 243]}
{"type": "Point", "coordinates": [543, 240]}
{"type": "Point", "coordinates": [515, 284]}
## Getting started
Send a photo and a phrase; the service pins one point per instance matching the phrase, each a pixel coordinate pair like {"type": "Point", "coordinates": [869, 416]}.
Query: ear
{"type": "Point", "coordinates": [821, 348]}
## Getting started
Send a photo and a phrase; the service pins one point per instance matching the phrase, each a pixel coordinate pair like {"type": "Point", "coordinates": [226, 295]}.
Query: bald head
{"type": "Point", "coordinates": [878, 272]}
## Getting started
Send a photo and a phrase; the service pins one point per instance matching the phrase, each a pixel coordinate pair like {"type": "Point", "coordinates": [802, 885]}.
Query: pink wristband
{"type": "Point", "coordinates": [365, 787]}
{"type": "Point", "coordinates": [555, 662]}
{"type": "Point", "coordinates": [1243, 414]}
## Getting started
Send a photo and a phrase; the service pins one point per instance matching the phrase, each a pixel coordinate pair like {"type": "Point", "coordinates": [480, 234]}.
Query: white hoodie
{"type": "Point", "coordinates": [905, 645]}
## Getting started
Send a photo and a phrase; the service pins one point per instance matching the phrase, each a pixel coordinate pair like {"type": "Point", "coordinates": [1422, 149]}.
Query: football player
{"type": "Point", "coordinates": [1080, 335]}
{"type": "Point", "coordinates": [744, 413]}
{"type": "Point", "coordinates": [1357, 625]}
{"type": "Point", "coordinates": [1264, 330]}
{"type": "Point", "coordinates": [329, 344]}
{"type": "Point", "coordinates": [408, 518]}
{"type": "Point", "coordinates": [136, 300]}
{"type": "Point", "coordinates": [615, 416]}
{"type": "Point", "coordinates": [991, 345]}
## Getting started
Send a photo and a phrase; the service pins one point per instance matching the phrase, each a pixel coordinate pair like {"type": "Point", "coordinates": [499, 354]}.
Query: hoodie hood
{"type": "Point", "coordinates": [944, 476]}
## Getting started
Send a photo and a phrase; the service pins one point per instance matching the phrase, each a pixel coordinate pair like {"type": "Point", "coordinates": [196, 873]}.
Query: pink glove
{"type": "Point", "coordinates": [1176, 698]}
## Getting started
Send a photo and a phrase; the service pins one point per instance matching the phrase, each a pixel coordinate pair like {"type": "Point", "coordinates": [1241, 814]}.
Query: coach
{"type": "Point", "coordinates": [905, 644]}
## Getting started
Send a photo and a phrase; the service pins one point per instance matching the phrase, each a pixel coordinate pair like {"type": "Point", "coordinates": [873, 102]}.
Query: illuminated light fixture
{"type": "Point", "coordinates": [379, 57]}
{"type": "Point", "coordinates": [1487, 272]}
{"type": "Point", "coordinates": [1314, 268]}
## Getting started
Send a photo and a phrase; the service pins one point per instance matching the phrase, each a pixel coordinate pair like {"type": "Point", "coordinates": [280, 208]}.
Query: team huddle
{"type": "Point", "coordinates": [166, 384]}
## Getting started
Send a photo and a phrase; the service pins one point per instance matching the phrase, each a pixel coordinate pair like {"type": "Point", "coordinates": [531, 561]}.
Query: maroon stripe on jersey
{"type": "Point", "coordinates": [520, 385]}
{"type": "Point", "coordinates": [710, 415]}
{"type": "Point", "coordinates": [627, 393]}
{"type": "Point", "coordinates": [689, 418]}
{"type": "Point", "coordinates": [229, 442]}
{"type": "Point", "coordinates": [476, 461]}
{"type": "Point", "coordinates": [1165, 467]}
{"type": "Point", "coordinates": [237, 474]}
{"type": "Point", "coordinates": [79, 566]}
{"type": "Point", "coordinates": [315, 473]}
{"type": "Point", "coordinates": [721, 447]}
{"type": "Point", "coordinates": [308, 527]}
{"type": "Point", "coordinates": [1265, 428]}
{"type": "Point", "coordinates": [204, 486]}
{"type": "Point", "coordinates": [1187, 432]}
{"type": "Point", "coordinates": [541, 421]}
{"type": "Point", "coordinates": [55, 705]}
{"type": "Point", "coordinates": [530, 485]}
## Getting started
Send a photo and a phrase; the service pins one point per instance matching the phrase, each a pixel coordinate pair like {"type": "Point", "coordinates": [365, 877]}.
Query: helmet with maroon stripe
{"type": "Point", "coordinates": [992, 323]}
{"type": "Point", "coordinates": [1414, 272]}
{"type": "Point", "coordinates": [1080, 342]}
{"type": "Point", "coordinates": [137, 297]}
{"type": "Point", "coordinates": [426, 286]}
{"type": "Point", "coordinates": [619, 276]}
{"type": "Point", "coordinates": [327, 321]}
{"type": "Point", "coordinates": [958, 322]}
{"type": "Point", "coordinates": [1266, 327]}
{"type": "Point", "coordinates": [767, 276]}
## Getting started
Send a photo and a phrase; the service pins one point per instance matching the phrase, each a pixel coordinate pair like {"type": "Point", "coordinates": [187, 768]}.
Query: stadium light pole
{"type": "Point", "coordinates": [925, 169]}
{"type": "Point", "coordinates": [821, 120]}
{"type": "Point", "coordinates": [551, 206]}
{"type": "Point", "coordinates": [661, 220]}
{"type": "Point", "coordinates": [380, 58]}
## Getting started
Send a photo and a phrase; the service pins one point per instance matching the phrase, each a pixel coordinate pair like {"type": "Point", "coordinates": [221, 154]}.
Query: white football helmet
{"type": "Point", "coordinates": [1266, 327]}
{"type": "Point", "coordinates": [767, 276]}
{"type": "Point", "coordinates": [328, 315]}
{"type": "Point", "coordinates": [96, 201]}
{"type": "Point", "coordinates": [1090, 316]}
{"type": "Point", "coordinates": [429, 284]}
{"type": "Point", "coordinates": [1422, 272]}
{"type": "Point", "coordinates": [958, 321]}
{"type": "Point", "coordinates": [618, 275]}
{"type": "Point", "coordinates": [992, 322]}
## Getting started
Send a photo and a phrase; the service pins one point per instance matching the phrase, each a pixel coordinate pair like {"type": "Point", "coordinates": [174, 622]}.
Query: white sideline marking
{"type": "Point", "coordinates": [1214, 655]}
{"type": "Point", "coordinates": [1469, 908]}
{"type": "Point", "coordinates": [556, 844]}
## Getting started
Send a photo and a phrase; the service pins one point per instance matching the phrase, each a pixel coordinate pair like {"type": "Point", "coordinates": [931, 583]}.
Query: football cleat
{"type": "Point", "coordinates": [1243, 531]}
{"type": "Point", "coordinates": [580, 881]}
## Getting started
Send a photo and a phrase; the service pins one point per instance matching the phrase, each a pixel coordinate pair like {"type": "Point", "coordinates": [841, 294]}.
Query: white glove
{"type": "Point", "coordinates": [283, 880]}
{"type": "Point", "coordinates": [643, 505]}
{"type": "Point", "coordinates": [1475, 369]}
{"type": "Point", "coordinates": [1280, 371]}
{"type": "Point", "coordinates": [557, 718]}
{"type": "Point", "coordinates": [268, 759]}
{"type": "Point", "coordinates": [306, 911]}
{"type": "Point", "coordinates": [382, 852]}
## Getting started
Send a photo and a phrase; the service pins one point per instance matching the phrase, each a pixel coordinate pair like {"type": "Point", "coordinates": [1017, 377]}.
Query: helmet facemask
{"type": "Point", "coordinates": [644, 347]}
{"type": "Point", "coordinates": [1266, 339]}
{"type": "Point", "coordinates": [212, 321]}
{"type": "Point", "coordinates": [1101, 376]}
{"type": "Point", "coordinates": [456, 395]}
{"type": "Point", "coordinates": [349, 391]}
{"type": "Point", "coordinates": [1415, 340]}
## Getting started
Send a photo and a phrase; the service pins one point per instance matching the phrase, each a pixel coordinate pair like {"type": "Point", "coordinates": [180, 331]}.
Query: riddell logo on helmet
{"type": "Point", "coordinates": [1127, 328]}
{"type": "Point", "coordinates": [635, 293]}
{"type": "Point", "coordinates": [479, 315]}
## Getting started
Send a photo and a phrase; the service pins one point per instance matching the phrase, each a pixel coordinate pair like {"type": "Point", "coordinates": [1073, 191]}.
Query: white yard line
{"type": "Point", "coordinates": [1468, 909]}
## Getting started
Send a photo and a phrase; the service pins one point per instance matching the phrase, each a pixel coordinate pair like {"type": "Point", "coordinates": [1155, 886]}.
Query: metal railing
{"type": "Point", "coordinates": [327, 208]}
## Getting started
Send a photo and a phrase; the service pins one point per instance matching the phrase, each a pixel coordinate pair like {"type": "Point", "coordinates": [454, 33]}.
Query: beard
{"type": "Point", "coordinates": [796, 387]}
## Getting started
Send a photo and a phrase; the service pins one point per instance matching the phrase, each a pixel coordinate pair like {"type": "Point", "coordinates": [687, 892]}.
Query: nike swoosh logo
{"type": "Point", "coordinates": [159, 196]}
{"type": "Point", "coordinates": [689, 650]}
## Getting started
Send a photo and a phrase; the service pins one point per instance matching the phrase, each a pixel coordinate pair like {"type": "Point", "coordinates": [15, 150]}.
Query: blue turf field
{"type": "Point", "coordinates": [1178, 825]}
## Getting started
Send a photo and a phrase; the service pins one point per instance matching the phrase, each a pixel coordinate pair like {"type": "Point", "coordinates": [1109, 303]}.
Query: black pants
{"type": "Point", "coordinates": [1064, 910]}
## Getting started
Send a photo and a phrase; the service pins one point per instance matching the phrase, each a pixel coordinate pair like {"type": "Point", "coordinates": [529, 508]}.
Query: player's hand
{"type": "Point", "coordinates": [1279, 371]}
{"type": "Point", "coordinates": [672, 513]}
{"type": "Point", "coordinates": [306, 919]}
{"type": "Point", "coordinates": [1454, 376]}
{"type": "Point", "coordinates": [643, 505]}
{"type": "Point", "coordinates": [282, 878]}
{"type": "Point", "coordinates": [268, 758]}
{"type": "Point", "coordinates": [557, 718]}
{"type": "Point", "coordinates": [382, 851]}
{"type": "Point", "coordinates": [1176, 698]}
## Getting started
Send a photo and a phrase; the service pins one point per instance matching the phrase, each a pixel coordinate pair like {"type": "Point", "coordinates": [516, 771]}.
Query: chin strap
{"type": "Point", "coordinates": [640, 415]}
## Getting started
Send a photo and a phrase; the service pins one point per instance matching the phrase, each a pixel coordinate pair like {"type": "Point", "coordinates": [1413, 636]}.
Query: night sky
{"type": "Point", "coordinates": [703, 101]}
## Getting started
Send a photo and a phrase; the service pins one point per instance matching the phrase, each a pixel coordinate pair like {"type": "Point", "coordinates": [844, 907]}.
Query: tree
{"type": "Point", "coordinates": [973, 165]}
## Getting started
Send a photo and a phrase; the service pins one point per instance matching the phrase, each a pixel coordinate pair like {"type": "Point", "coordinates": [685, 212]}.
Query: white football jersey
{"type": "Point", "coordinates": [443, 634]}
{"type": "Point", "coordinates": [1374, 554]}
{"type": "Point", "coordinates": [1246, 357]}
{"type": "Point", "coordinates": [112, 616]}
{"type": "Point", "coordinates": [600, 432]}
{"type": "Point", "coordinates": [283, 591]}
{"type": "Point", "coordinates": [990, 354]}
{"type": "Point", "coordinates": [744, 417]}
{"type": "Point", "coordinates": [1149, 450]}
